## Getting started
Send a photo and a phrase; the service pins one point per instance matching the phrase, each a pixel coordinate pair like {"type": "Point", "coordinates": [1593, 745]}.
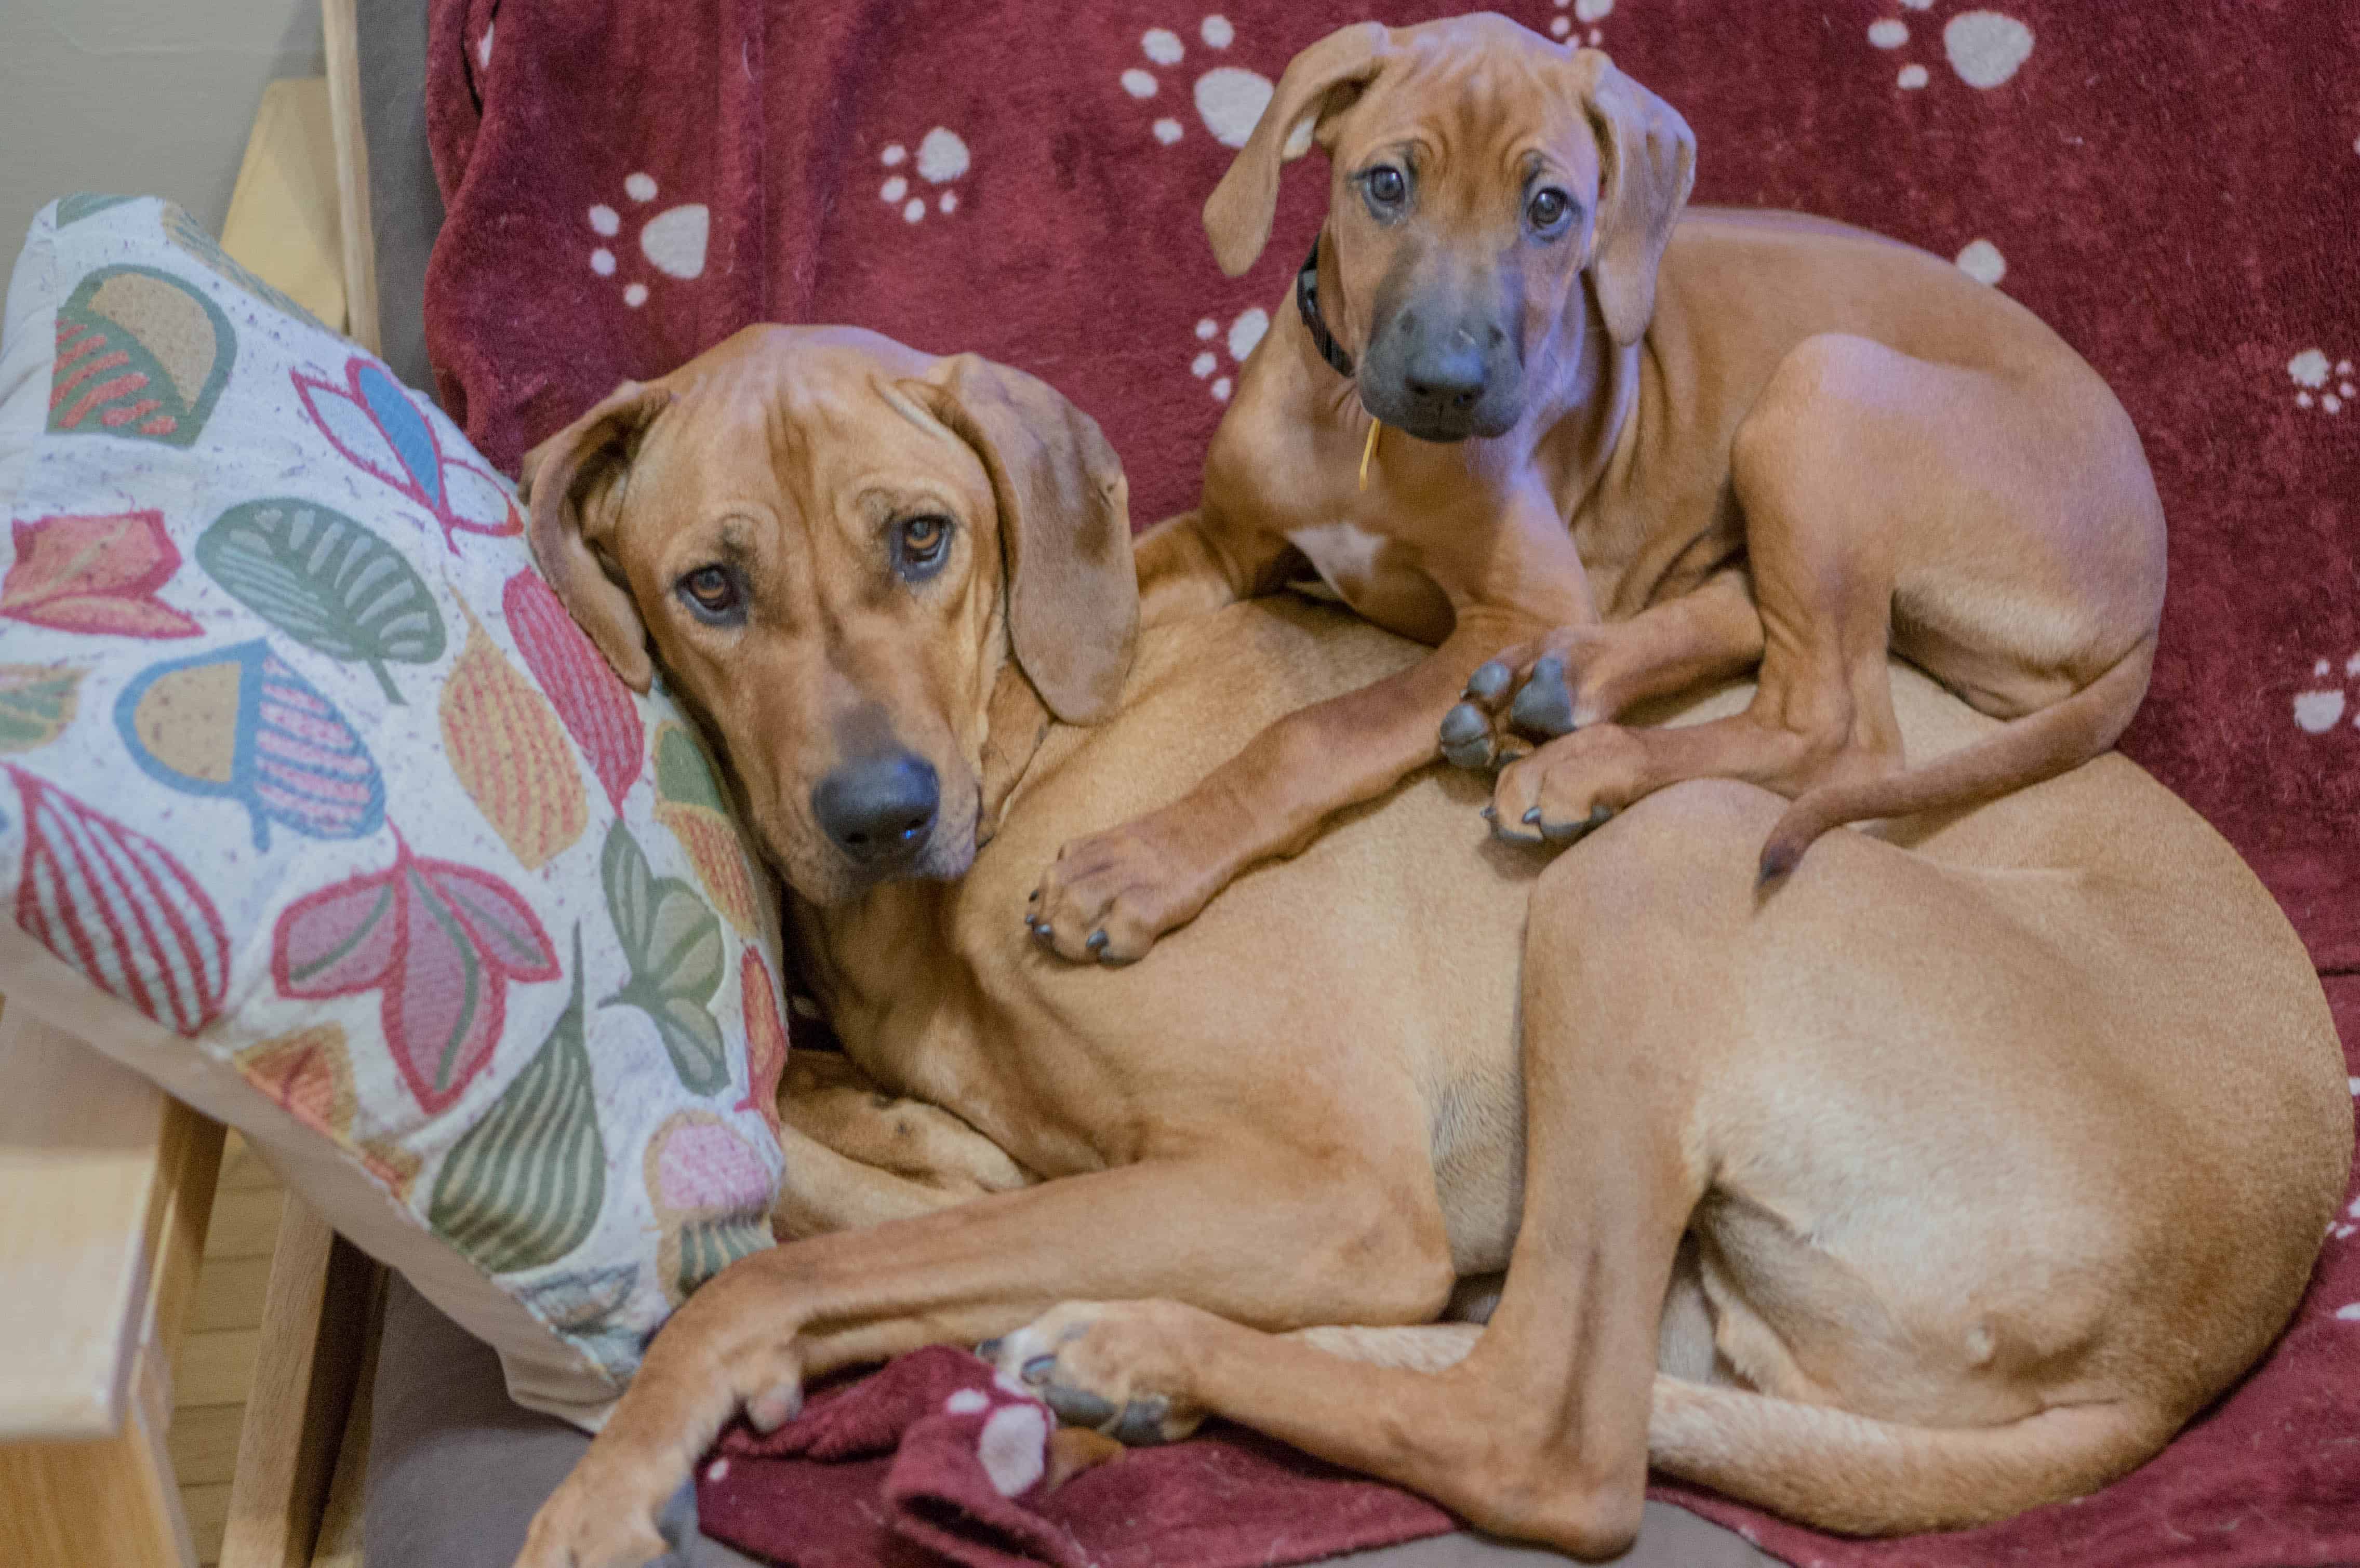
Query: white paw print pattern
{"type": "Point", "coordinates": [1572, 15]}
{"type": "Point", "coordinates": [1012, 1444]}
{"type": "Point", "coordinates": [1240, 340]}
{"type": "Point", "coordinates": [2320, 385]}
{"type": "Point", "coordinates": [1985, 48]}
{"type": "Point", "coordinates": [1229, 98]}
{"type": "Point", "coordinates": [2320, 707]}
{"type": "Point", "coordinates": [942, 161]}
{"type": "Point", "coordinates": [671, 242]}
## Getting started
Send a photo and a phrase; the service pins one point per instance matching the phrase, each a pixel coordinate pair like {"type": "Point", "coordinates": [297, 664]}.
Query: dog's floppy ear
{"type": "Point", "coordinates": [573, 483]}
{"type": "Point", "coordinates": [1649, 157]}
{"type": "Point", "coordinates": [1317, 82]}
{"type": "Point", "coordinates": [1065, 530]}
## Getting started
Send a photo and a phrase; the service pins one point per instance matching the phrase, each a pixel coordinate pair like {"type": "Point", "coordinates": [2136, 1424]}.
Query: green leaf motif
{"type": "Point", "coordinates": [524, 1186]}
{"type": "Point", "coordinates": [682, 774]}
{"type": "Point", "coordinates": [83, 204]}
{"type": "Point", "coordinates": [588, 1309]}
{"type": "Point", "coordinates": [673, 942]}
{"type": "Point", "coordinates": [36, 702]}
{"type": "Point", "coordinates": [707, 1246]}
{"type": "Point", "coordinates": [325, 581]}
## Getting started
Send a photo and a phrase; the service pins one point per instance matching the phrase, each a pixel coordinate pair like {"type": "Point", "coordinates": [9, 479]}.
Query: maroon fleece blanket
{"type": "Point", "coordinates": [2175, 185]}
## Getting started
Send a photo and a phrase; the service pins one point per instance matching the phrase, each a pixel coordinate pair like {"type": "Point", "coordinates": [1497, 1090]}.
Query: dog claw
{"type": "Point", "coordinates": [989, 1350]}
{"type": "Point", "coordinates": [1037, 1368]}
{"type": "Point", "coordinates": [1077, 1407]}
{"type": "Point", "coordinates": [1142, 1425]}
{"type": "Point", "coordinates": [1545, 706]}
{"type": "Point", "coordinates": [1098, 942]}
{"type": "Point", "coordinates": [1489, 682]}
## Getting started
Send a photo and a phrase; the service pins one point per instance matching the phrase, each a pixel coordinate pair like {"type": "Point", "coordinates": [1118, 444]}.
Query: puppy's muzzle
{"type": "Point", "coordinates": [879, 811]}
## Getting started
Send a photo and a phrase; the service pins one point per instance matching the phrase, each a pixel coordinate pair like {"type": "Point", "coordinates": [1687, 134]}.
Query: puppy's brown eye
{"type": "Point", "coordinates": [921, 543]}
{"type": "Point", "coordinates": [712, 593]}
{"type": "Point", "coordinates": [1548, 211]}
{"type": "Point", "coordinates": [1386, 185]}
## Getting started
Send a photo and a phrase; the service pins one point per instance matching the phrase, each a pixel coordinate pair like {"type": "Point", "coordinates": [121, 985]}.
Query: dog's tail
{"type": "Point", "coordinates": [1854, 1475]}
{"type": "Point", "coordinates": [2024, 751]}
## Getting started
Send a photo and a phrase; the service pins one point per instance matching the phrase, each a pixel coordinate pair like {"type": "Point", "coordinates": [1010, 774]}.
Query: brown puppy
{"type": "Point", "coordinates": [1952, 1182]}
{"type": "Point", "coordinates": [1638, 451]}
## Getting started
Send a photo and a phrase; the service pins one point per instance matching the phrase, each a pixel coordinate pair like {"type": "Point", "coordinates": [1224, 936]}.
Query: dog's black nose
{"type": "Point", "coordinates": [1447, 380]}
{"type": "Point", "coordinates": [879, 809]}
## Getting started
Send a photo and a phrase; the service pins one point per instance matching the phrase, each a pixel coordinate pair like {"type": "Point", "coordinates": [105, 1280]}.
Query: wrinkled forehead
{"type": "Point", "coordinates": [805, 421]}
{"type": "Point", "coordinates": [1469, 97]}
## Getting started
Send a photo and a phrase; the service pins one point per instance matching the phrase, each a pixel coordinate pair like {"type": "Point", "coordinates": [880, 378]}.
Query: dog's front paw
{"type": "Point", "coordinates": [593, 1522]}
{"type": "Point", "coordinates": [1119, 1368]}
{"type": "Point", "coordinates": [1109, 896]}
{"type": "Point", "coordinates": [1536, 691]}
{"type": "Point", "coordinates": [1574, 784]}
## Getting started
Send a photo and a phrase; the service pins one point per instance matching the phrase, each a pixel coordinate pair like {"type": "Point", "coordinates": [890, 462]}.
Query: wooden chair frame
{"type": "Point", "coordinates": [106, 1184]}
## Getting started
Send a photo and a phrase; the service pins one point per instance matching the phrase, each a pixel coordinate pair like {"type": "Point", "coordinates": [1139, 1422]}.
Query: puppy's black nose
{"type": "Point", "coordinates": [1447, 380]}
{"type": "Point", "coordinates": [880, 807]}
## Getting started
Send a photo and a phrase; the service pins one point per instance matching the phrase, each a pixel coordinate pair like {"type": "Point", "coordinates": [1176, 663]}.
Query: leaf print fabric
{"type": "Point", "coordinates": [676, 955]}
{"type": "Point", "coordinates": [241, 724]}
{"type": "Point", "coordinates": [510, 753]}
{"type": "Point", "coordinates": [310, 777]}
{"type": "Point", "coordinates": [96, 576]}
{"type": "Point", "coordinates": [525, 1184]}
{"type": "Point", "coordinates": [442, 941]}
{"type": "Point", "coordinates": [326, 581]}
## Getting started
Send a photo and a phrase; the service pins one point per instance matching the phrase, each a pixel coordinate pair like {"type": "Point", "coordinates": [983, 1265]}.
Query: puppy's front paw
{"type": "Point", "coordinates": [1109, 896]}
{"type": "Point", "coordinates": [1574, 784]}
{"type": "Point", "coordinates": [1119, 1368]}
{"type": "Point", "coordinates": [588, 1523]}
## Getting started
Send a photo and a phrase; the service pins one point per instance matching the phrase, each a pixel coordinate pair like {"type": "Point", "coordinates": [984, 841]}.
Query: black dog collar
{"type": "Point", "coordinates": [1306, 305]}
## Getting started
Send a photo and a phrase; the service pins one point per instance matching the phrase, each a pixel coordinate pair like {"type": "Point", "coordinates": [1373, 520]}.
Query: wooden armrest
{"type": "Point", "coordinates": [106, 1186]}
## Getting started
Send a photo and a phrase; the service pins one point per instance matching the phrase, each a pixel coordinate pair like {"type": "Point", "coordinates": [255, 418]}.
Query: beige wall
{"type": "Point", "coordinates": [143, 97]}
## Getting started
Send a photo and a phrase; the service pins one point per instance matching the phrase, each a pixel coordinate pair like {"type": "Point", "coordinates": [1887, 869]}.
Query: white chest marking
{"type": "Point", "coordinates": [1344, 553]}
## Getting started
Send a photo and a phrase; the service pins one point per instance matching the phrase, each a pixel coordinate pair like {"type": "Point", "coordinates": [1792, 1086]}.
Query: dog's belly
{"type": "Point", "coordinates": [1379, 578]}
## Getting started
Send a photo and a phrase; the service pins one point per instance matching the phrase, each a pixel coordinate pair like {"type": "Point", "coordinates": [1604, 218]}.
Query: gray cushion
{"type": "Point", "coordinates": [455, 1471]}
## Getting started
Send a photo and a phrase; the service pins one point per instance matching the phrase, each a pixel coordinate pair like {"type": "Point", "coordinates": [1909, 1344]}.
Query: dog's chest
{"type": "Point", "coordinates": [1378, 577]}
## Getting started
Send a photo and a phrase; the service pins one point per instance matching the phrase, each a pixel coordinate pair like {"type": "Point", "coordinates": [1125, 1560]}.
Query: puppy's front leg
{"type": "Point", "coordinates": [1197, 562]}
{"type": "Point", "coordinates": [1109, 896]}
{"type": "Point", "coordinates": [1360, 1248]}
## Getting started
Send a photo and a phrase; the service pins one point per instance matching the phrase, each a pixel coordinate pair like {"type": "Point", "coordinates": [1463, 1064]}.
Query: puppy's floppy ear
{"type": "Point", "coordinates": [1321, 80]}
{"type": "Point", "coordinates": [1065, 530]}
{"type": "Point", "coordinates": [1649, 156]}
{"type": "Point", "coordinates": [573, 483]}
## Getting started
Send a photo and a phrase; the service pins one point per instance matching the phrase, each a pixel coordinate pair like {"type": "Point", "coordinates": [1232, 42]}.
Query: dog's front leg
{"type": "Point", "coordinates": [1109, 896]}
{"type": "Point", "coordinates": [1196, 562]}
{"type": "Point", "coordinates": [1358, 1248]}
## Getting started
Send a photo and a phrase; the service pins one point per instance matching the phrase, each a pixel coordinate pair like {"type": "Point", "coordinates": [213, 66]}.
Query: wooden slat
{"type": "Point", "coordinates": [341, 1520]}
{"type": "Point", "coordinates": [80, 1505]}
{"type": "Point", "coordinates": [313, 1323]}
{"type": "Point", "coordinates": [283, 224]}
{"type": "Point", "coordinates": [342, 35]}
{"type": "Point", "coordinates": [202, 1443]}
{"type": "Point", "coordinates": [105, 1189]}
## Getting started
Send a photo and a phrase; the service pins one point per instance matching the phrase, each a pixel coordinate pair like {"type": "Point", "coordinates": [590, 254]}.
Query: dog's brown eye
{"type": "Point", "coordinates": [712, 591]}
{"type": "Point", "coordinates": [923, 542]}
{"type": "Point", "coordinates": [1548, 210]}
{"type": "Point", "coordinates": [1386, 186]}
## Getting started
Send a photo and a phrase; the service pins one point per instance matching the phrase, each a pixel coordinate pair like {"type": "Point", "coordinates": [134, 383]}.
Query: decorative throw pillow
{"type": "Point", "coordinates": [318, 810]}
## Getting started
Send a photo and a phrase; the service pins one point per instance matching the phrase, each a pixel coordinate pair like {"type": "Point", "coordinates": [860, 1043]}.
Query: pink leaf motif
{"type": "Point", "coordinates": [115, 905]}
{"type": "Point", "coordinates": [591, 699]}
{"type": "Point", "coordinates": [374, 422]}
{"type": "Point", "coordinates": [442, 941]}
{"type": "Point", "coordinates": [96, 576]}
{"type": "Point", "coordinates": [766, 1039]}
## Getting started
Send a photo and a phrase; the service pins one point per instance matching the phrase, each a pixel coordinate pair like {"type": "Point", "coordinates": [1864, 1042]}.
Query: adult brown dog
{"type": "Point", "coordinates": [1951, 1182]}
{"type": "Point", "coordinates": [1641, 452]}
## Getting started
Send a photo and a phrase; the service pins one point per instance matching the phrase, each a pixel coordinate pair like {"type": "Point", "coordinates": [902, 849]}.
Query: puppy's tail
{"type": "Point", "coordinates": [2024, 751]}
{"type": "Point", "coordinates": [1855, 1476]}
